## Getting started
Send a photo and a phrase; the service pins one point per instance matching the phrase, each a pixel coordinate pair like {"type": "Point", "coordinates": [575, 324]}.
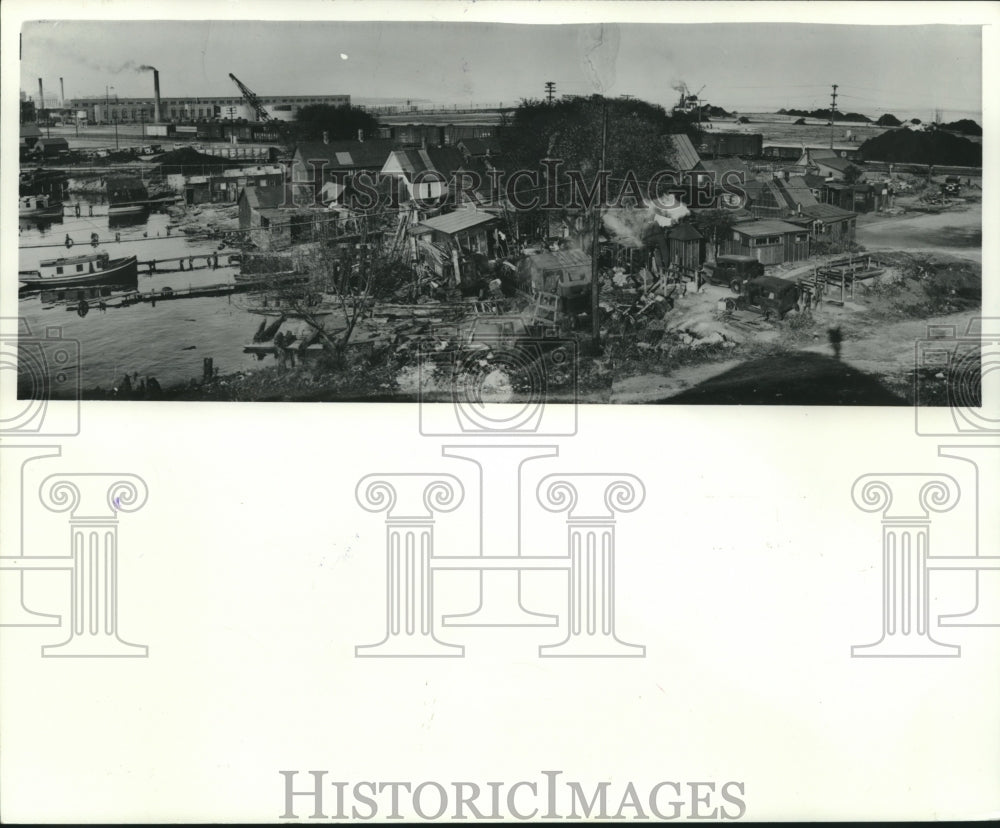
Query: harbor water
{"type": "Point", "coordinates": [167, 340]}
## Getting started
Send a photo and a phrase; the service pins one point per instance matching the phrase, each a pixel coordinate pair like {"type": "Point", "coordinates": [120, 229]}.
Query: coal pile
{"type": "Point", "coordinates": [904, 146]}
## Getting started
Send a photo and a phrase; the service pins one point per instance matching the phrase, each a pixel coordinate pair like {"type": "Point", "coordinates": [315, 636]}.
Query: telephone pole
{"type": "Point", "coordinates": [595, 295]}
{"type": "Point", "coordinates": [833, 108]}
{"type": "Point", "coordinates": [550, 91]}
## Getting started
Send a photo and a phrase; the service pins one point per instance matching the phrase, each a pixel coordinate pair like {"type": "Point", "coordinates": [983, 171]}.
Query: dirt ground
{"type": "Point", "coordinates": [932, 276]}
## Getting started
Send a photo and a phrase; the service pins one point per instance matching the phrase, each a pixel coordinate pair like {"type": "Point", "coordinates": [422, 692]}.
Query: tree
{"type": "Point", "coordinates": [340, 122]}
{"type": "Point", "coordinates": [852, 174]}
{"type": "Point", "coordinates": [349, 282]}
{"type": "Point", "coordinates": [570, 130]}
{"type": "Point", "coordinates": [715, 225]}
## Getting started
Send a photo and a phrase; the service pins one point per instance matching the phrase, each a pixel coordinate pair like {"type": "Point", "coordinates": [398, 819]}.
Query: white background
{"type": "Point", "coordinates": [252, 573]}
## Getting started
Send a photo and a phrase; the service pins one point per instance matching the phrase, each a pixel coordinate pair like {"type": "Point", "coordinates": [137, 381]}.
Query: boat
{"type": "Point", "coordinates": [127, 196]}
{"type": "Point", "coordinates": [87, 269]}
{"type": "Point", "coordinates": [119, 210]}
{"type": "Point", "coordinates": [39, 206]}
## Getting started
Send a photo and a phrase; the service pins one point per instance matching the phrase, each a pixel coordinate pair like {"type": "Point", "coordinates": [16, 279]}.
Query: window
{"type": "Point", "coordinates": [59, 271]}
{"type": "Point", "coordinates": [79, 268]}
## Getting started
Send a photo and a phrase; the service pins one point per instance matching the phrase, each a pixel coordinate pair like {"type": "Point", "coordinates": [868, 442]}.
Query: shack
{"type": "Point", "coordinates": [861, 198]}
{"type": "Point", "coordinates": [828, 223]}
{"type": "Point", "coordinates": [563, 272]}
{"type": "Point", "coordinates": [445, 241]}
{"type": "Point", "coordinates": [770, 241]}
{"type": "Point", "coordinates": [51, 147]}
{"type": "Point", "coordinates": [686, 246]}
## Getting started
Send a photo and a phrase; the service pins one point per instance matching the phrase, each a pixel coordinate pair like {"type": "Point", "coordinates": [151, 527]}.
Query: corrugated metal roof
{"type": "Point", "coordinates": [797, 192]}
{"type": "Point", "coordinates": [766, 227]}
{"type": "Point", "coordinates": [458, 221]}
{"type": "Point", "coordinates": [685, 156]}
{"type": "Point", "coordinates": [555, 259]}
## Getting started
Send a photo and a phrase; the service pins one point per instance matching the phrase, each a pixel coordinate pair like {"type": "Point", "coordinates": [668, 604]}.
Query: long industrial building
{"type": "Point", "coordinates": [109, 109]}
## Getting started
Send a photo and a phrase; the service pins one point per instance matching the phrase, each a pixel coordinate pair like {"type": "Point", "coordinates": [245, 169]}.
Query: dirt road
{"type": "Point", "coordinates": [956, 232]}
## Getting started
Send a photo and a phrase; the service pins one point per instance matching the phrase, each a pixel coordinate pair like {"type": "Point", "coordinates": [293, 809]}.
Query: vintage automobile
{"type": "Point", "coordinates": [768, 295]}
{"type": "Point", "coordinates": [733, 271]}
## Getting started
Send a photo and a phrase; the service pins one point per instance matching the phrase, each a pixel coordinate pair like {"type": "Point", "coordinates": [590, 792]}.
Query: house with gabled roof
{"type": "Point", "coordinates": [426, 174]}
{"type": "Point", "coordinates": [682, 154]}
{"type": "Point", "coordinates": [318, 163]}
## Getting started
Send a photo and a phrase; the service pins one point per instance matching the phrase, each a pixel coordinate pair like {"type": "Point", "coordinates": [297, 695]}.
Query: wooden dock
{"type": "Point", "coordinates": [124, 300]}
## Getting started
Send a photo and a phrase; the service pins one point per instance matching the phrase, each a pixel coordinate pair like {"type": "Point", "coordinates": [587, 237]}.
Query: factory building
{"type": "Point", "coordinates": [104, 110]}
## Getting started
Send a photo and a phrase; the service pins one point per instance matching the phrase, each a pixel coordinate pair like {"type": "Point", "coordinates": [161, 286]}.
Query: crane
{"type": "Point", "coordinates": [251, 99]}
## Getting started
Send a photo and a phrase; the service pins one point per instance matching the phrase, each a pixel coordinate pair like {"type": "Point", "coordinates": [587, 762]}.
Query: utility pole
{"type": "Point", "coordinates": [550, 91]}
{"type": "Point", "coordinates": [833, 108]}
{"type": "Point", "coordinates": [595, 297]}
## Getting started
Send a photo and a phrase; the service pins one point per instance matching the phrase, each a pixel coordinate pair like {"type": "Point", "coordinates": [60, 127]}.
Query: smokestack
{"type": "Point", "coordinates": [156, 97]}
{"type": "Point", "coordinates": [62, 93]}
{"type": "Point", "coordinates": [41, 96]}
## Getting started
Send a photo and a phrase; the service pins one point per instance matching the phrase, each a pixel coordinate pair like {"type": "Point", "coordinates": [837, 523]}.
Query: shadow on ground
{"type": "Point", "coordinates": [800, 378]}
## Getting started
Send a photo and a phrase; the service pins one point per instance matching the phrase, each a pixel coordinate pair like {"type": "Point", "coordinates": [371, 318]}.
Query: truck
{"type": "Point", "coordinates": [733, 271]}
{"type": "Point", "coordinates": [952, 186]}
{"type": "Point", "coordinates": [769, 296]}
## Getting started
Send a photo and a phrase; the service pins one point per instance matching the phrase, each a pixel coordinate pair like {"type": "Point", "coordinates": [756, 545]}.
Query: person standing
{"type": "Point", "coordinates": [836, 337]}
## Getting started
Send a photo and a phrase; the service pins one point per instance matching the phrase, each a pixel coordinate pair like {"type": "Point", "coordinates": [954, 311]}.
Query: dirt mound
{"type": "Point", "coordinates": [189, 160]}
{"type": "Point", "coordinates": [907, 146]}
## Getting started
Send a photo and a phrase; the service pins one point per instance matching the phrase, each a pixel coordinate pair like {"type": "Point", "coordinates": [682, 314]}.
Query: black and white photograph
{"type": "Point", "coordinates": [653, 356]}
{"type": "Point", "coordinates": [400, 211]}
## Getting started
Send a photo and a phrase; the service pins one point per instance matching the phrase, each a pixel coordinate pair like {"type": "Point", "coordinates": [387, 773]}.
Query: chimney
{"type": "Point", "coordinates": [62, 94]}
{"type": "Point", "coordinates": [361, 136]}
{"type": "Point", "coordinates": [156, 97]}
{"type": "Point", "coordinates": [423, 142]}
{"type": "Point", "coordinates": [41, 96]}
{"type": "Point", "coordinates": [326, 137]}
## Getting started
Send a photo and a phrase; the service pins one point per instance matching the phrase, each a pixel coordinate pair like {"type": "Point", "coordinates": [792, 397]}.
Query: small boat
{"type": "Point", "coordinates": [38, 206]}
{"type": "Point", "coordinates": [127, 196]}
{"type": "Point", "coordinates": [127, 210]}
{"type": "Point", "coordinates": [88, 269]}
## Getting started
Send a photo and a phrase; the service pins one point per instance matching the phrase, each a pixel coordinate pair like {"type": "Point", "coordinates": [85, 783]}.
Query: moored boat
{"type": "Point", "coordinates": [38, 206]}
{"type": "Point", "coordinates": [127, 196]}
{"type": "Point", "coordinates": [87, 269]}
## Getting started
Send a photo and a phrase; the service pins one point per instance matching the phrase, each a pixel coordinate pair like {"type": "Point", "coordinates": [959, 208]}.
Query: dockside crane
{"type": "Point", "coordinates": [251, 99]}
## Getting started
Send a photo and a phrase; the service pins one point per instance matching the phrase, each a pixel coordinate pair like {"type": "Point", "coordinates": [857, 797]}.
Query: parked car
{"type": "Point", "coordinates": [733, 270]}
{"type": "Point", "coordinates": [768, 295]}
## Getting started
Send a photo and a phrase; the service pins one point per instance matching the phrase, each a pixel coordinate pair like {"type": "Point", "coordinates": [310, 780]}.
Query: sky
{"type": "Point", "coordinates": [907, 70]}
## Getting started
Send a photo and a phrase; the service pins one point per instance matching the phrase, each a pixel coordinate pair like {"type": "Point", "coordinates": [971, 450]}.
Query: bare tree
{"type": "Point", "coordinates": [350, 280]}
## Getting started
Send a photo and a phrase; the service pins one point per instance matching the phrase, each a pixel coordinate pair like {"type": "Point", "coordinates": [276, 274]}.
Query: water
{"type": "Point", "coordinates": [168, 340]}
